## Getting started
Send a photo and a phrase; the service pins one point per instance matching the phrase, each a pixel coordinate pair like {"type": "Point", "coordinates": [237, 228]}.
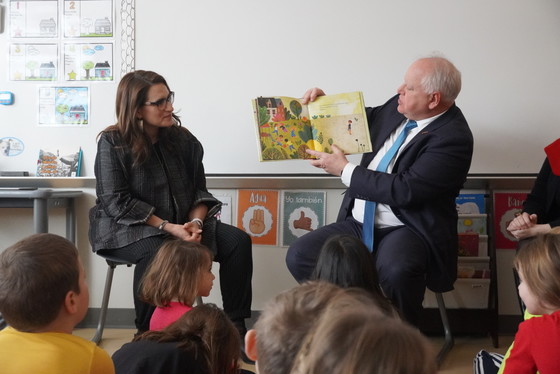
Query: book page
{"type": "Point", "coordinates": [286, 128]}
{"type": "Point", "coordinates": [340, 120]}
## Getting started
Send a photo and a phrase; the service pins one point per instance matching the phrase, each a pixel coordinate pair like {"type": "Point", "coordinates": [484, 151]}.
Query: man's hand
{"type": "Point", "coordinates": [311, 94]}
{"type": "Point", "coordinates": [332, 163]}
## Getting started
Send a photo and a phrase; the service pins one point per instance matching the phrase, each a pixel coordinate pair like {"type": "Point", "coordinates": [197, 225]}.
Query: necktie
{"type": "Point", "coordinates": [369, 213]}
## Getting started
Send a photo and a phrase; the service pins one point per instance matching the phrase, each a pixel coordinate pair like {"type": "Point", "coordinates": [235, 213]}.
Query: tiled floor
{"type": "Point", "coordinates": [458, 361]}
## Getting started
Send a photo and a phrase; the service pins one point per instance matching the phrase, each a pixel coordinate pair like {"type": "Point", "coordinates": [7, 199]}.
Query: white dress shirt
{"type": "Point", "coordinates": [384, 216]}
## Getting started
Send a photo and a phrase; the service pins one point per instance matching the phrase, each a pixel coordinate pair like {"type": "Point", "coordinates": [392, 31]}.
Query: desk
{"type": "Point", "coordinates": [40, 199]}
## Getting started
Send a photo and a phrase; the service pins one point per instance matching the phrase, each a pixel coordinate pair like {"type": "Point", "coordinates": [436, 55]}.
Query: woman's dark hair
{"type": "Point", "coordinates": [345, 261]}
{"type": "Point", "coordinates": [205, 331]}
{"type": "Point", "coordinates": [132, 94]}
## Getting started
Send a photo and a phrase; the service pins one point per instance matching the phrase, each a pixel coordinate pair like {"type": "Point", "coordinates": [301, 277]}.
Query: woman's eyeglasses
{"type": "Point", "coordinates": [162, 103]}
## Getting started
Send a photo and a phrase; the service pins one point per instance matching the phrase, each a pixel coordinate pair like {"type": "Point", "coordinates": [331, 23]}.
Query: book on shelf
{"type": "Point", "coordinates": [59, 163]}
{"type": "Point", "coordinates": [286, 127]}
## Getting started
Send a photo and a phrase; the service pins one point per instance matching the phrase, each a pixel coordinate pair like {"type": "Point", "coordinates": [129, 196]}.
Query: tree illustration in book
{"type": "Point", "coordinates": [286, 127]}
{"type": "Point", "coordinates": [59, 163]}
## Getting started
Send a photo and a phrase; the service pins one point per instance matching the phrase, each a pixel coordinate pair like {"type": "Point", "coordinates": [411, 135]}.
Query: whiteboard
{"type": "Point", "coordinates": [218, 56]}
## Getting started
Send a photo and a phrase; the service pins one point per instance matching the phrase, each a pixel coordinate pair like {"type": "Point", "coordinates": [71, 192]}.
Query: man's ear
{"type": "Point", "coordinates": [435, 100]}
{"type": "Point", "coordinates": [251, 344]}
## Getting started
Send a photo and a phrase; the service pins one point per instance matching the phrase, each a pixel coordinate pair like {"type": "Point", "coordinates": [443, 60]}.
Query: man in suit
{"type": "Point", "coordinates": [415, 232]}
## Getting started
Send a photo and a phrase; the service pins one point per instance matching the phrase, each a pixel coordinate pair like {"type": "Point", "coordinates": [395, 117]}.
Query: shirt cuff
{"type": "Point", "coordinates": [346, 175]}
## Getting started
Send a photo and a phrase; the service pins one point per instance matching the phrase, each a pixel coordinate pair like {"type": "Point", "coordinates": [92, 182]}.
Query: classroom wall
{"type": "Point", "coordinates": [218, 56]}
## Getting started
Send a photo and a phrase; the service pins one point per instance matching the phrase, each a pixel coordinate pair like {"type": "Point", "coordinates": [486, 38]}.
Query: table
{"type": "Point", "coordinates": [41, 199]}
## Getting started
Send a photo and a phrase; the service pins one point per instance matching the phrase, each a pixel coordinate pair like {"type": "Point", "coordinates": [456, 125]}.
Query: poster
{"type": "Point", "coordinates": [303, 212]}
{"type": "Point", "coordinates": [33, 62]}
{"type": "Point", "coordinates": [225, 213]}
{"type": "Point", "coordinates": [34, 19]}
{"type": "Point", "coordinates": [506, 205]}
{"type": "Point", "coordinates": [63, 106]}
{"type": "Point", "coordinates": [88, 62]}
{"type": "Point", "coordinates": [257, 215]}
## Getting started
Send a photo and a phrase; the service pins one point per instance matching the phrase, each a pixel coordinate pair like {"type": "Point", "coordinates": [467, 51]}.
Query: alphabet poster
{"type": "Point", "coordinates": [303, 212]}
{"type": "Point", "coordinates": [257, 215]}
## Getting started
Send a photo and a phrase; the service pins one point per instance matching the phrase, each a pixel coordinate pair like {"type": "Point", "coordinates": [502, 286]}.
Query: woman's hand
{"type": "Point", "coordinates": [531, 231]}
{"type": "Point", "coordinates": [522, 221]}
{"type": "Point", "coordinates": [189, 232]}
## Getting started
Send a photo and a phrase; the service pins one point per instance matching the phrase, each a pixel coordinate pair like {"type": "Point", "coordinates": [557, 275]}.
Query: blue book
{"type": "Point", "coordinates": [470, 203]}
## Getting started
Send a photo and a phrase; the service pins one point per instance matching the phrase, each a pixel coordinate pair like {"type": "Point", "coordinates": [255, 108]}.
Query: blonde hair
{"type": "Point", "coordinates": [539, 262]}
{"type": "Point", "coordinates": [355, 340]}
{"type": "Point", "coordinates": [174, 273]}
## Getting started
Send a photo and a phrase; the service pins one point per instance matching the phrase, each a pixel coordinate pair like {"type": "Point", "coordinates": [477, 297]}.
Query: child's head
{"type": "Point", "coordinates": [205, 331]}
{"type": "Point", "coordinates": [538, 265]}
{"type": "Point", "coordinates": [286, 320]}
{"type": "Point", "coordinates": [42, 279]}
{"type": "Point", "coordinates": [283, 324]}
{"type": "Point", "coordinates": [345, 261]}
{"type": "Point", "coordinates": [355, 340]}
{"type": "Point", "coordinates": [180, 271]}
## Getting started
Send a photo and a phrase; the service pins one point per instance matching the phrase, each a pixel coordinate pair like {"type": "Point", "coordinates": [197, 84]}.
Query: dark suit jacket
{"type": "Point", "coordinates": [544, 199]}
{"type": "Point", "coordinates": [422, 187]}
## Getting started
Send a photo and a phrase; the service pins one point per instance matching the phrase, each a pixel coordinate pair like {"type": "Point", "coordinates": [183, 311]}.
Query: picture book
{"type": "Point", "coordinates": [59, 163]}
{"type": "Point", "coordinates": [286, 127]}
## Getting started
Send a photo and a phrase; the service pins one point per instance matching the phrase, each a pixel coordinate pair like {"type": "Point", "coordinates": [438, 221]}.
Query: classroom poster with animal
{"type": "Point", "coordinates": [506, 206]}
{"type": "Point", "coordinates": [257, 215]}
{"type": "Point", "coordinates": [302, 212]}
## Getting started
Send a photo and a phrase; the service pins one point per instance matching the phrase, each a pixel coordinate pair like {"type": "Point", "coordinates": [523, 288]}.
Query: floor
{"type": "Point", "coordinates": [458, 361]}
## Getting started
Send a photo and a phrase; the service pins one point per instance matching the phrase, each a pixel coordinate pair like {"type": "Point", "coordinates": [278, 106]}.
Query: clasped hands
{"type": "Point", "coordinates": [189, 231]}
{"type": "Point", "coordinates": [332, 163]}
{"type": "Point", "coordinates": [525, 226]}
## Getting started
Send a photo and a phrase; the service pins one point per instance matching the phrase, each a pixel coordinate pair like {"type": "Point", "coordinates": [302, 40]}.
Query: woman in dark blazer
{"type": "Point", "coordinates": [151, 185]}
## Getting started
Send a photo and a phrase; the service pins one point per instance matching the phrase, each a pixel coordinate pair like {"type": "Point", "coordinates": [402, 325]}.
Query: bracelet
{"type": "Point", "coordinates": [198, 221]}
{"type": "Point", "coordinates": [162, 224]}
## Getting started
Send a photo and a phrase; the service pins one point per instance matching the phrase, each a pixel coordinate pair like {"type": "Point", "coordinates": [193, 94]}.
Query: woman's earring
{"type": "Point", "coordinates": [141, 124]}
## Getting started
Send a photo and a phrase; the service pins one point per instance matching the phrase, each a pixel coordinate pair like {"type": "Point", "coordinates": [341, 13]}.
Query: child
{"type": "Point", "coordinates": [179, 272]}
{"type": "Point", "coordinates": [201, 341]}
{"type": "Point", "coordinates": [43, 295]}
{"type": "Point", "coordinates": [536, 344]}
{"type": "Point", "coordinates": [286, 320]}
{"type": "Point", "coordinates": [356, 340]}
{"type": "Point", "coordinates": [345, 261]}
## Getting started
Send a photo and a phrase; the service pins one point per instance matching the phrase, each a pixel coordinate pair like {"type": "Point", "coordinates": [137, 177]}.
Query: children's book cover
{"type": "Point", "coordinates": [303, 212]}
{"type": "Point", "coordinates": [257, 215]}
{"type": "Point", "coordinates": [470, 203]}
{"type": "Point", "coordinates": [225, 212]}
{"type": "Point", "coordinates": [506, 206]}
{"type": "Point", "coordinates": [286, 127]}
{"type": "Point", "coordinates": [59, 163]}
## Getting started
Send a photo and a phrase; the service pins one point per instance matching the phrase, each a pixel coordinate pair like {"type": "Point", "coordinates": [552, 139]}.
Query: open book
{"type": "Point", "coordinates": [286, 127]}
{"type": "Point", "coordinates": [59, 163]}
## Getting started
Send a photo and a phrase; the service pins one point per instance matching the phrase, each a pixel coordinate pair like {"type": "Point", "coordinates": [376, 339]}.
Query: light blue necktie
{"type": "Point", "coordinates": [369, 213]}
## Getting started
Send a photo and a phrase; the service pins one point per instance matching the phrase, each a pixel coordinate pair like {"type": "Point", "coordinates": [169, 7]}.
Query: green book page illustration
{"type": "Point", "coordinates": [286, 127]}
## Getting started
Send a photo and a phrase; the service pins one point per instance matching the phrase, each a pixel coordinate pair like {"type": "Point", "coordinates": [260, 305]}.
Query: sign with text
{"type": "Point", "coordinates": [257, 215]}
{"type": "Point", "coordinates": [303, 212]}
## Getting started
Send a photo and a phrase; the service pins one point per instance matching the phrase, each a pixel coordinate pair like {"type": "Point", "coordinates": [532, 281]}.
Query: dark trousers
{"type": "Point", "coordinates": [401, 261]}
{"type": "Point", "coordinates": [236, 271]}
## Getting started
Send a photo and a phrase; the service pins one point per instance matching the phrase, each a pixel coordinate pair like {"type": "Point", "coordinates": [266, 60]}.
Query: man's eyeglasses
{"type": "Point", "coordinates": [162, 103]}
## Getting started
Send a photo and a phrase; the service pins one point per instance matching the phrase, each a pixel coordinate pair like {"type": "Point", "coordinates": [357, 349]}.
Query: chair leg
{"type": "Point", "coordinates": [104, 304]}
{"type": "Point", "coordinates": [449, 341]}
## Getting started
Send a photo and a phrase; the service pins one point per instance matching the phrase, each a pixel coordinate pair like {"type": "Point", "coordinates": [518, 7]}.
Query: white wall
{"type": "Point", "coordinates": [218, 56]}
